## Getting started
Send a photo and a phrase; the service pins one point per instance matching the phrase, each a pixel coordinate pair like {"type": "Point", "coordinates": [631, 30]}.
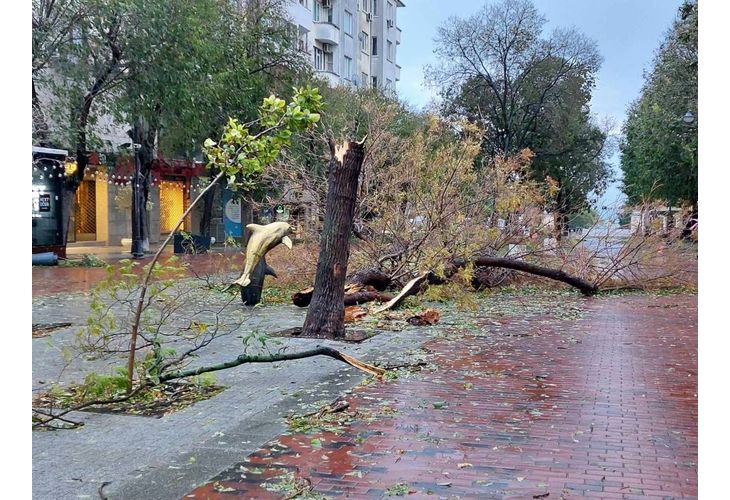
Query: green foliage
{"type": "Point", "coordinates": [659, 150]}
{"type": "Point", "coordinates": [526, 90]}
{"type": "Point", "coordinates": [243, 156]}
{"type": "Point", "coordinates": [397, 490]}
{"type": "Point", "coordinates": [87, 260]}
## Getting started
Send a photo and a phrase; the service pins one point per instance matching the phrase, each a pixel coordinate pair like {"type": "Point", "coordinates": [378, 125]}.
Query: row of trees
{"type": "Point", "coordinates": [659, 149]}
{"type": "Point", "coordinates": [526, 88]}
{"type": "Point", "coordinates": [173, 72]}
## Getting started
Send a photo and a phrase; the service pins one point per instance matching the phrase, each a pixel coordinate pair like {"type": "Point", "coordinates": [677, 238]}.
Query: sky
{"type": "Point", "coordinates": [627, 33]}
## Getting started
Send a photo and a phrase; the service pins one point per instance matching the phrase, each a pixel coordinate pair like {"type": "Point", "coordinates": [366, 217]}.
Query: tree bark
{"type": "Point", "coordinates": [207, 217]}
{"type": "Point", "coordinates": [584, 286]}
{"type": "Point", "coordinates": [326, 314]}
{"type": "Point", "coordinates": [353, 297]}
{"type": "Point", "coordinates": [371, 277]}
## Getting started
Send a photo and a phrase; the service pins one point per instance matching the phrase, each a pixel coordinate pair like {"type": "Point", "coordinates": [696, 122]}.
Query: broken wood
{"type": "Point", "coordinates": [371, 277]}
{"type": "Point", "coordinates": [411, 288]}
{"type": "Point", "coordinates": [354, 295]}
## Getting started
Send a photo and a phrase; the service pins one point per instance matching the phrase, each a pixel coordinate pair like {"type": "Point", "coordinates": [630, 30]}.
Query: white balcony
{"type": "Point", "coordinates": [333, 79]}
{"type": "Point", "coordinates": [326, 32]}
{"type": "Point", "coordinates": [299, 14]}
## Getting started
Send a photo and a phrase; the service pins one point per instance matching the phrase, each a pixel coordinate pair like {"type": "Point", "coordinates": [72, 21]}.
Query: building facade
{"type": "Point", "coordinates": [350, 42]}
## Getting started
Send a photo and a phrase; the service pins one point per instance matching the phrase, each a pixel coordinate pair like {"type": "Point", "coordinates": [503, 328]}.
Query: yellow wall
{"type": "Point", "coordinates": [102, 210]}
{"type": "Point", "coordinates": [171, 205]}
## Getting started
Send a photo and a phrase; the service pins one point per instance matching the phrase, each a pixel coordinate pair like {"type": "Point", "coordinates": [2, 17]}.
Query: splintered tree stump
{"type": "Point", "coordinates": [326, 314]}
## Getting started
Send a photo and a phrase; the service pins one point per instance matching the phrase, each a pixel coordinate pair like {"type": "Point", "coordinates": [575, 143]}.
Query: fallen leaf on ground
{"type": "Point", "coordinates": [426, 318]}
{"type": "Point", "coordinates": [353, 313]}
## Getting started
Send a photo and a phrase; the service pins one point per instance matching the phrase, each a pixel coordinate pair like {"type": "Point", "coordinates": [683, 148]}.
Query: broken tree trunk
{"type": "Point", "coordinates": [363, 286]}
{"type": "Point", "coordinates": [354, 295]}
{"type": "Point", "coordinates": [326, 314]}
{"type": "Point", "coordinates": [371, 277]}
{"type": "Point", "coordinates": [584, 286]}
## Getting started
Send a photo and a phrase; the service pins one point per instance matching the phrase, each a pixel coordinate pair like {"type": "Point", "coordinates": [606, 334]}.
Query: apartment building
{"type": "Point", "coordinates": [350, 42]}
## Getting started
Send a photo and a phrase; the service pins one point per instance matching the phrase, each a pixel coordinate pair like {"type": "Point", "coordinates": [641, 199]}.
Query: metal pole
{"type": "Point", "coordinates": [137, 251]}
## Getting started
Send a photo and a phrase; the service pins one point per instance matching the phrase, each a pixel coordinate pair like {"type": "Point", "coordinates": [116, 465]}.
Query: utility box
{"type": "Point", "coordinates": [48, 177]}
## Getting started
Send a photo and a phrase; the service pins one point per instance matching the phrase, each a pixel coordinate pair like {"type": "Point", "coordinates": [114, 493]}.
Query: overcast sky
{"type": "Point", "coordinates": [627, 32]}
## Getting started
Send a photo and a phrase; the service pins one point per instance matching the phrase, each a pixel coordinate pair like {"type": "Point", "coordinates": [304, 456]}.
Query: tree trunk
{"type": "Point", "coordinates": [326, 314]}
{"type": "Point", "coordinates": [207, 213]}
{"type": "Point", "coordinates": [371, 277]}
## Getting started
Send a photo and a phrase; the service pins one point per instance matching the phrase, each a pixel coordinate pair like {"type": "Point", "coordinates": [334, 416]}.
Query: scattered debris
{"type": "Point", "coordinates": [426, 318]}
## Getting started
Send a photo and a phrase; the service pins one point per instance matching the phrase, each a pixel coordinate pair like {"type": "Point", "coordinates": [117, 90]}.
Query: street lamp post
{"type": "Point", "coordinates": [137, 250]}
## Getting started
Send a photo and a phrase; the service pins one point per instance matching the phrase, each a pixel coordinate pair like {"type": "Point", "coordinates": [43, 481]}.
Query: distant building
{"type": "Point", "coordinates": [350, 42]}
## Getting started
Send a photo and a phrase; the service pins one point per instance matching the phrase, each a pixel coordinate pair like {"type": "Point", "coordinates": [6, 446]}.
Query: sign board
{"type": "Point", "coordinates": [44, 202]}
{"type": "Point", "coordinates": [232, 215]}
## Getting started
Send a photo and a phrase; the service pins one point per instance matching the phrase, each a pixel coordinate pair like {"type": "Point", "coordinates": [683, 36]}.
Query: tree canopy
{"type": "Point", "coordinates": [659, 147]}
{"type": "Point", "coordinates": [526, 89]}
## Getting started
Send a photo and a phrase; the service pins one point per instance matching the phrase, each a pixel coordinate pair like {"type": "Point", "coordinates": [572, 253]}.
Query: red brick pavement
{"type": "Point", "coordinates": [604, 407]}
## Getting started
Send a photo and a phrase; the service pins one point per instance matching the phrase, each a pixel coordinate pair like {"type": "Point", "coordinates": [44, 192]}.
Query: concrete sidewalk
{"type": "Point", "coordinates": [145, 457]}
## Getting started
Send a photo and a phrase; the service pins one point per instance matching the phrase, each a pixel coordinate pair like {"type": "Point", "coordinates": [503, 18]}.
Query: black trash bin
{"type": "Point", "coordinates": [190, 243]}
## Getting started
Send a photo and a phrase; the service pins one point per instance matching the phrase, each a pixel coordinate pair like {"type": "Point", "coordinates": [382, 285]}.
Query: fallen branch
{"type": "Point", "coordinates": [240, 360]}
{"type": "Point", "coordinates": [411, 288]}
{"type": "Point", "coordinates": [584, 286]}
{"type": "Point", "coordinates": [273, 358]}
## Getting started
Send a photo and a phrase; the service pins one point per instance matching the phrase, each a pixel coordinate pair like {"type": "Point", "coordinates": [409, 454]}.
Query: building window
{"type": "Point", "coordinates": [348, 23]}
{"type": "Point", "coordinates": [375, 45]}
{"type": "Point", "coordinates": [364, 41]}
{"type": "Point", "coordinates": [304, 3]}
{"type": "Point", "coordinates": [389, 52]}
{"type": "Point", "coordinates": [364, 79]}
{"type": "Point", "coordinates": [318, 59]}
{"type": "Point", "coordinates": [324, 60]}
{"type": "Point", "coordinates": [390, 14]}
{"type": "Point", "coordinates": [347, 70]}
{"type": "Point", "coordinates": [322, 14]}
{"type": "Point", "coordinates": [364, 5]}
{"type": "Point", "coordinates": [375, 82]}
{"type": "Point", "coordinates": [375, 7]}
{"type": "Point", "coordinates": [388, 84]}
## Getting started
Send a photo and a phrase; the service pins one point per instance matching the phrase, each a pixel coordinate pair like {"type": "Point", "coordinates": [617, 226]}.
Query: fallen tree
{"type": "Point", "coordinates": [584, 286]}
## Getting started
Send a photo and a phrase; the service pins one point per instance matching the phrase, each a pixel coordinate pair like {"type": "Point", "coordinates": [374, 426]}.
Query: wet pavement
{"type": "Point", "coordinates": [595, 401]}
{"type": "Point", "coordinates": [53, 280]}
